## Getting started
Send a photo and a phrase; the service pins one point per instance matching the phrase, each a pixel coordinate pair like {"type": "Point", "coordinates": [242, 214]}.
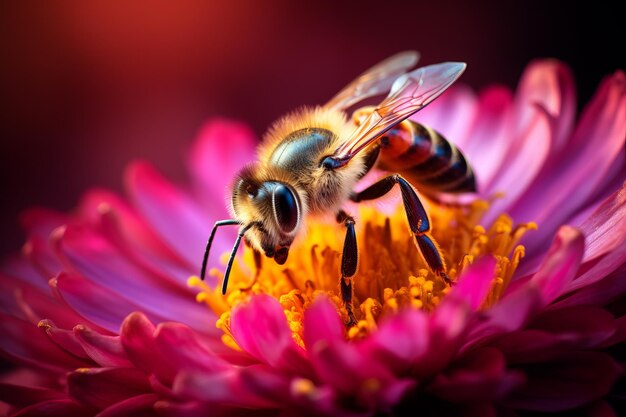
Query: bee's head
{"type": "Point", "coordinates": [275, 208]}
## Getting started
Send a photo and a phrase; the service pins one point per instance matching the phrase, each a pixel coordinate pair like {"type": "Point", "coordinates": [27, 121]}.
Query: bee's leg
{"type": "Point", "coordinates": [416, 216]}
{"type": "Point", "coordinates": [349, 262]}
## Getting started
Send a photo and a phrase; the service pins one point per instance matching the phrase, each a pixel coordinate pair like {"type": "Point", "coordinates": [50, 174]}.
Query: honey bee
{"type": "Point", "coordinates": [310, 161]}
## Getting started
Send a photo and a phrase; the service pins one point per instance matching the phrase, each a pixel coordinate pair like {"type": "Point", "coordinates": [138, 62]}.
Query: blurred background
{"type": "Point", "coordinates": [87, 87]}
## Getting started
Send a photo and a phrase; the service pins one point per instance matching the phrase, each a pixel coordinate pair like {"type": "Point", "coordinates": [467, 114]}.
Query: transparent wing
{"type": "Point", "coordinates": [409, 93]}
{"type": "Point", "coordinates": [376, 80]}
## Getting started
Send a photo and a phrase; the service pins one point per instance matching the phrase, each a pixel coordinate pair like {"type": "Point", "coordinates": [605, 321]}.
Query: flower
{"type": "Point", "coordinates": [98, 314]}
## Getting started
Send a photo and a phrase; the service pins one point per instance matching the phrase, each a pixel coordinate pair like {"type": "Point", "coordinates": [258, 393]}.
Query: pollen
{"type": "Point", "coordinates": [392, 273]}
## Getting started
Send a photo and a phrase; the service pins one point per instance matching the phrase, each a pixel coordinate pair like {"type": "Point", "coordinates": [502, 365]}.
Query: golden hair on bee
{"type": "Point", "coordinates": [304, 118]}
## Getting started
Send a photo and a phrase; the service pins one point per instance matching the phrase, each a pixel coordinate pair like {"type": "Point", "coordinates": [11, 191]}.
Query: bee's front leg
{"type": "Point", "coordinates": [349, 262]}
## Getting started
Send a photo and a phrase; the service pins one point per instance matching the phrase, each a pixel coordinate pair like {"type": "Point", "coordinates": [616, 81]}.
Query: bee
{"type": "Point", "coordinates": [310, 161]}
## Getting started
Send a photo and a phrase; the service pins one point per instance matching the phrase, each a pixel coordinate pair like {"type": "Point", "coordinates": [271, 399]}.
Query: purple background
{"type": "Point", "coordinates": [89, 86]}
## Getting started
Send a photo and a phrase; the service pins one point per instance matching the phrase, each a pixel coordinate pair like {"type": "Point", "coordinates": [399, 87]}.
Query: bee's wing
{"type": "Point", "coordinates": [376, 80]}
{"type": "Point", "coordinates": [409, 93]}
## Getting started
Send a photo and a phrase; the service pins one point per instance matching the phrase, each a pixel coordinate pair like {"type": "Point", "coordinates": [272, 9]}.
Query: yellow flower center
{"type": "Point", "coordinates": [392, 274]}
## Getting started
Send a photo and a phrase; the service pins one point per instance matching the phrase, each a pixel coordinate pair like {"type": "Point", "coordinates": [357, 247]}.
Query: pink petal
{"type": "Point", "coordinates": [97, 203]}
{"type": "Point", "coordinates": [605, 229]}
{"type": "Point", "coordinates": [55, 408]}
{"type": "Point", "coordinates": [64, 339]}
{"type": "Point", "coordinates": [94, 258]}
{"type": "Point", "coordinates": [400, 341]}
{"type": "Point", "coordinates": [106, 351]}
{"type": "Point", "coordinates": [137, 336]}
{"type": "Point", "coordinates": [139, 406]}
{"type": "Point", "coordinates": [103, 387]}
{"type": "Point", "coordinates": [96, 304]}
{"type": "Point", "coordinates": [38, 252]}
{"type": "Point", "coordinates": [169, 268]}
{"type": "Point", "coordinates": [41, 222]}
{"type": "Point", "coordinates": [23, 301]}
{"type": "Point", "coordinates": [603, 291]}
{"type": "Point", "coordinates": [23, 396]}
{"type": "Point", "coordinates": [24, 342]}
{"type": "Point", "coordinates": [174, 216]}
{"type": "Point", "coordinates": [322, 322]}
{"type": "Point", "coordinates": [184, 349]}
{"type": "Point", "coordinates": [560, 265]}
{"type": "Point", "coordinates": [474, 283]}
{"type": "Point", "coordinates": [510, 314]}
{"type": "Point", "coordinates": [600, 269]}
{"type": "Point", "coordinates": [260, 328]}
{"type": "Point", "coordinates": [543, 113]}
{"type": "Point", "coordinates": [554, 332]}
{"type": "Point", "coordinates": [347, 367]}
{"type": "Point", "coordinates": [526, 156]}
{"type": "Point", "coordinates": [572, 380]}
{"type": "Point", "coordinates": [550, 84]}
{"type": "Point", "coordinates": [221, 149]}
{"type": "Point", "coordinates": [448, 325]}
{"type": "Point", "coordinates": [566, 183]}
{"type": "Point", "coordinates": [220, 387]}
{"type": "Point", "coordinates": [489, 136]}
{"type": "Point", "coordinates": [19, 268]}
{"type": "Point", "coordinates": [480, 376]}
{"type": "Point", "coordinates": [583, 326]}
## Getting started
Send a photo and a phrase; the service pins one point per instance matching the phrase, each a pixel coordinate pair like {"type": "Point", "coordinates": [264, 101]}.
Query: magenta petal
{"type": "Point", "coordinates": [322, 322]}
{"type": "Point", "coordinates": [65, 339]}
{"type": "Point", "coordinates": [605, 229]}
{"type": "Point", "coordinates": [489, 139]}
{"type": "Point", "coordinates": [550, 84]}
{"type": "Point", "coordinates": [560, 265]}
{"type": "Point", "coordinates": [25, 342]}
{"type": "Point", "coordinates": [106, 351]}
{"type": "Point", "coordinates": [97, 203]}
{"type": "Point", "coordinates": [137, 336]}
{"type": "Point", "coordinates": [585, 327]}
{"type": "Point", "coordinates": [474, 284]}
{"type": "Point", "coordinates": [23, 396]}
{"type": "Point", "coordinates": [222, 148]}
{"type": "Point", "coordinates": [220, 387]}
{"type": "Point", "coordinates": [103, 387]}
{"type": "Point", "coordinates": [139, 406]}
{"type": "Point", "coordinates": [98, 305]}
{"type": "Point", "coordinates": [55, 408]}
{"type": "Point", "coordinates": [572, 380]}
{"type": "Point", "coordinates": [509, 314]}
{"type": "Point", "coordinates": [581, 169]}
{"type": "Point", "coordinates": [553, 332]}
{"type": "Point", "coordinates": [41, 222]}
{"type": "Point", "coordinates": [480, 376]}
{"type": "Point", "coordinates": [400, 341]}
{"type": "Point", "coordinates": [260, 328]}
{"type": "Point", "coordinates": [93, 257]}
{"type": "Point", "coordinates": [184, 349]}
{"type": "Point", "coordinates": [174, 216]}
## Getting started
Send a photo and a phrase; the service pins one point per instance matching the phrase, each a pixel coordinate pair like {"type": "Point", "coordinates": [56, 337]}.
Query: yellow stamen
{"type": "Point", "coordinates": [392, 273]}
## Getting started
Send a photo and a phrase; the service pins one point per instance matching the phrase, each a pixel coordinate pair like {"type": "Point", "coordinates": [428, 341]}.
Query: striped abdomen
{"type": "Point", "coordinates": [426, 159]}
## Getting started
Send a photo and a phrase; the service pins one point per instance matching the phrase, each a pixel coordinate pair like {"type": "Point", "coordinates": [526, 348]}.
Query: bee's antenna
{"type": "Point", "coordinates": [210, 242]}
{"type": "Point", "coordinates": [232, 255]}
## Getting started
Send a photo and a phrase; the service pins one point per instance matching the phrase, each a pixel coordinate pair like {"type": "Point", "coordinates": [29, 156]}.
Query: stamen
{"type": "Point", "coordinates": [392, 274]}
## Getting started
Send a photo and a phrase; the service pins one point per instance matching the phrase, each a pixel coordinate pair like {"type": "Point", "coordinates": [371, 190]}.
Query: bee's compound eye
{"type": "Point", "coordinates": [285, 207]}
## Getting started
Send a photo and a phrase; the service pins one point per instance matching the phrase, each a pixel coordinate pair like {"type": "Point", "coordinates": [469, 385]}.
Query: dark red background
{"type": "Point", "coordinates": [88, 86]}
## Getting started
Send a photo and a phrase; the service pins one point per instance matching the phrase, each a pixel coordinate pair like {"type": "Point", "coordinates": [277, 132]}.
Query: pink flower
{"type": "Point", "coordinates": [98, 316]}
